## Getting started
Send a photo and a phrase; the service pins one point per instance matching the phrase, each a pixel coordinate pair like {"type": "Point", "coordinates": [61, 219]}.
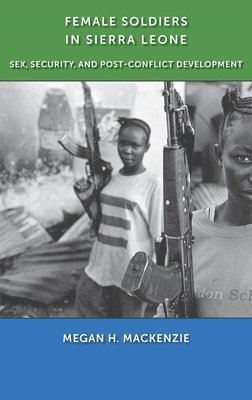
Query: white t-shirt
{"type": "Point", "coordinates": [222, 266]}
{"type": "Point", "coordinates": [131, 219]}
{"type": "Point", "coordinates": [222, 261]}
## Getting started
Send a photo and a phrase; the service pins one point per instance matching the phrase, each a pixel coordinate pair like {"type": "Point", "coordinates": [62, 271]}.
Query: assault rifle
{"type": "Point", "coordinates": [98, 171]}
{"type": "Point", "coordinates": [170, 281]}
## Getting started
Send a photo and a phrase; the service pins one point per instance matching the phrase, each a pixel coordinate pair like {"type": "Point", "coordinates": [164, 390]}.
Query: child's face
{"type": "Point", "coordinates": [132, 145]}
{"type": "Point", "coordinates": [236, 159]}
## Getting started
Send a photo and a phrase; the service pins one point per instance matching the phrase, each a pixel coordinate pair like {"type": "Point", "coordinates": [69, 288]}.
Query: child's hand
{"type": "Point", "coordinates": [84, 189]}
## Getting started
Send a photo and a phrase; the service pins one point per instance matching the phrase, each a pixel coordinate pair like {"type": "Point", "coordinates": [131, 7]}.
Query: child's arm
{"type": "Point", "coordinates": [156, 213]}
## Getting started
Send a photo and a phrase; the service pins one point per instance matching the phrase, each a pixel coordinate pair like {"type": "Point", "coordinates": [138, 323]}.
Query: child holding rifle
{"type": "Point", "coordinates": [131, 206]}
{"type": "Point", "coordinates": [222, 257]}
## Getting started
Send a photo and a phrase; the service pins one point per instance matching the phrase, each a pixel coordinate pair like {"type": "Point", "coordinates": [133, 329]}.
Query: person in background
{"type": "Point", "coordinates": [131, 205]}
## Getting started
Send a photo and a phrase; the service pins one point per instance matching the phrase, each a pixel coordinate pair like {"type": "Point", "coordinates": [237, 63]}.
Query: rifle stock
{"type": "Point", "coordinates": [171, 281]}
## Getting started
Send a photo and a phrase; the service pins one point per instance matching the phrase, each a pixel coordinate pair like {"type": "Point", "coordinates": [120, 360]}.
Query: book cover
{"type": "Point", "coordinates": [124, 52]}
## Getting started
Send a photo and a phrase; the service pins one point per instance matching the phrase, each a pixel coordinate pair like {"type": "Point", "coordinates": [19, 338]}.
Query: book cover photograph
{"type": "Point", "coordinates": [89, 219]}
{"type": "Point", "coordinates": [125, 199]}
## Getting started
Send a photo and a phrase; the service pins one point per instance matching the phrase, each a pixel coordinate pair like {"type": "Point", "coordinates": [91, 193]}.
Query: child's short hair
{"type": "Point", "coordinates": [233, 107]}
{"type": "Point", "coordinates": [125, 122]}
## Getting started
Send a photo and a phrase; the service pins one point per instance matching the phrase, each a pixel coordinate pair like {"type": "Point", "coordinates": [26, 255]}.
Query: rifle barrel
{"type": "Point", "coordinates": [170, 105]}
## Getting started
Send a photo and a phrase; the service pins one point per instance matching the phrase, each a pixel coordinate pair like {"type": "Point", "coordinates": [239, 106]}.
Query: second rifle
{"type": "Point", "coordinates": [170, 280]}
